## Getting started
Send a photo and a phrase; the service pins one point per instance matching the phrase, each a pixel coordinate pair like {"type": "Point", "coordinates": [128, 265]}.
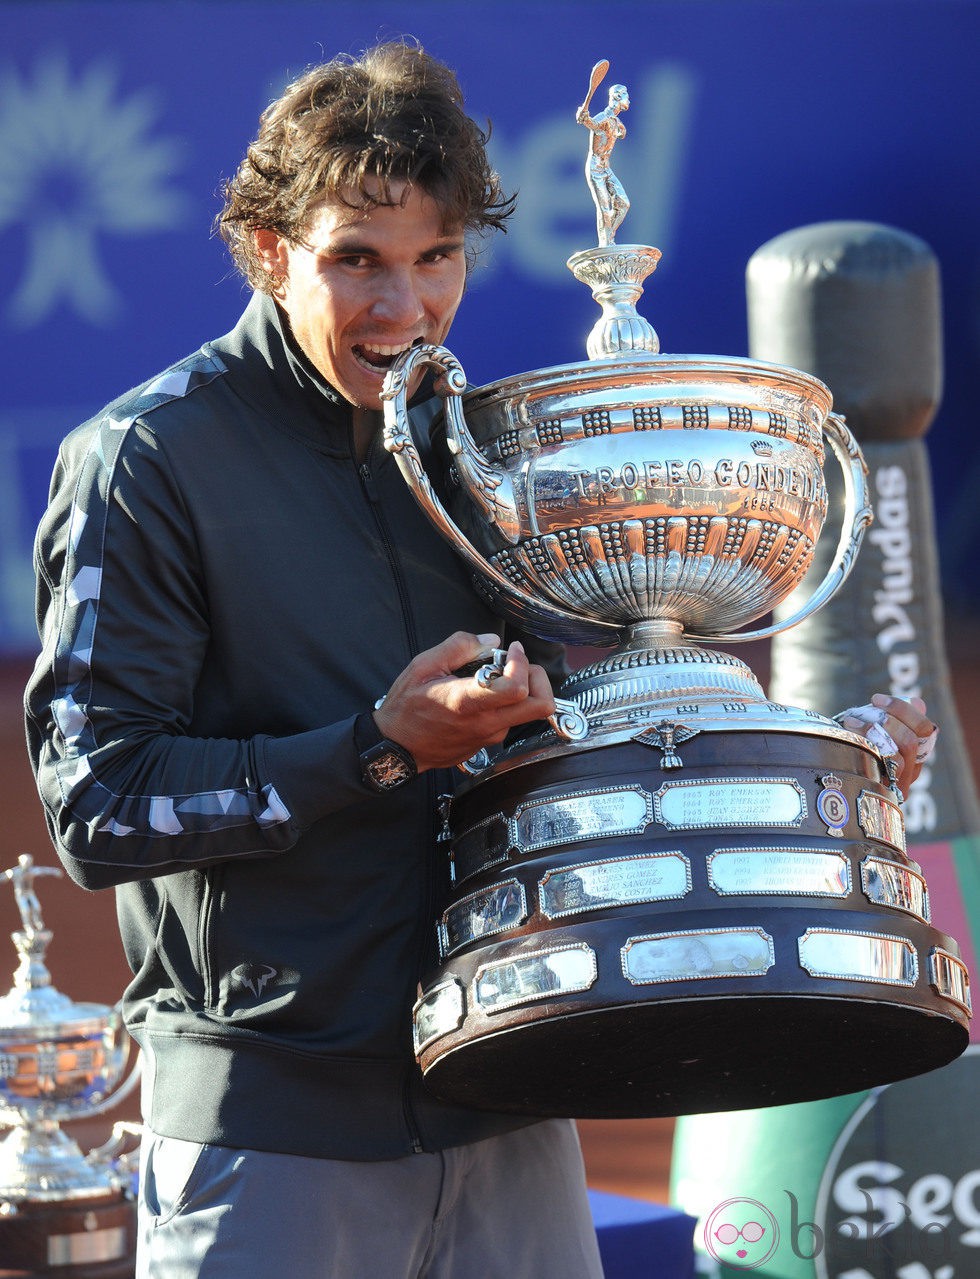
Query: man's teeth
{"type": "Point", "coordinates": [388, 350]}
{"type": "Point", "coordinates": [380, 355]}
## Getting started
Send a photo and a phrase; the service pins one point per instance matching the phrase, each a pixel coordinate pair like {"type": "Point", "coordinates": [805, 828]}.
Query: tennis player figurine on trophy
{"type": "Point", "coordinates": [679, 894]}
{"type": "Point", "coordinates": [611, 201]}
{"type": "Point", "coordinates": [58, 1061]}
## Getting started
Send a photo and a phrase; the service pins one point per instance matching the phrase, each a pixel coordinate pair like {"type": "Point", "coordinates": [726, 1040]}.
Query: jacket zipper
{"type": "Point", "coordinates": [428, 885]}
{"type": "Point", "coordinates": [367, 482]}
{"type": "Point", "coordinates": [206, 942]}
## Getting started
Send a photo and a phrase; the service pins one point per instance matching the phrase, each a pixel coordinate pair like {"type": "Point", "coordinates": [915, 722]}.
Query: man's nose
{"type": "Point", "coordinates": [400, 300]}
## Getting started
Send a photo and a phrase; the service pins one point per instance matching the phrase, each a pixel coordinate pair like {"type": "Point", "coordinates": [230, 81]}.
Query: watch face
{"type": "Point", "coordinates": [388, 770]}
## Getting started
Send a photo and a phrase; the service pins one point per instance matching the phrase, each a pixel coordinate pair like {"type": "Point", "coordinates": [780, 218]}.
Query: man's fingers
{"type": "Point", "coordinates": [540, 690]}
{"type": "Point", "coordinates": [898, 728]}
{"type": "Point", "coordinates": [502, 672]}
{"type": "Point", "coordinates": [911, 714]}
{"type": "Point", "coordinates": [461, 649]}
{"type": "Point", "coordinates": [909, 725]}
{"type": "Point", "coordinates": [905, 722]}
{"type": "Point", "coordinates": [461, 695]}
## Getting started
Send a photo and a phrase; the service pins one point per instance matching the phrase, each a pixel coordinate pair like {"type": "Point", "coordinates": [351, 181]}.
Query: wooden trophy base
{"type": "Point", "coordinates": [92, 1238]}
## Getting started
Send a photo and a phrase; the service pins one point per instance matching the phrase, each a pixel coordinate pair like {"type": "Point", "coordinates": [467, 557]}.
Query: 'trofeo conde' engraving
{"type": "Point", "coordinates": [631, 480]}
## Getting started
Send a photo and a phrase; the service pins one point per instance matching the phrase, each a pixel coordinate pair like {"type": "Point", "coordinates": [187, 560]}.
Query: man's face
{"type": "Point", "coordinates": [372, 282]}
{"type": "Point", "coordinates": [619, 99]}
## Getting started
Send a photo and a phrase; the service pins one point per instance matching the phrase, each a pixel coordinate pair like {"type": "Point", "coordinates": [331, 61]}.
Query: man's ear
{"type": "Point", "coordinates": [274, 252]}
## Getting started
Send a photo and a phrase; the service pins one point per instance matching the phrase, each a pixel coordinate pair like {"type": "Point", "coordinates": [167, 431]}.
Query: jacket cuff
{"type": "Point", "coordinates": [317, 772]}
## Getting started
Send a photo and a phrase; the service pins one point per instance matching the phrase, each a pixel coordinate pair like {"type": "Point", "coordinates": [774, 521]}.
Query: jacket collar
{"type": "Point", "coordinates": [271, 372]}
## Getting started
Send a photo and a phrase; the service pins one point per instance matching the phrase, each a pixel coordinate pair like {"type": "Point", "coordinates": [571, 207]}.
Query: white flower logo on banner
{"type": "Point", "coordinates": [77, 164]}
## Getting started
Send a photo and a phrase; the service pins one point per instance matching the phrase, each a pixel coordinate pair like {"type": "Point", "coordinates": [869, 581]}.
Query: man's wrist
{"type": "Point", "coordinates": [385, 764]}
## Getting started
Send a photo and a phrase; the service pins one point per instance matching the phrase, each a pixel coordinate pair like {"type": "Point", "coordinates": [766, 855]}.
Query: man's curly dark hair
{"type": "Point", "coordinates": [344, 132]}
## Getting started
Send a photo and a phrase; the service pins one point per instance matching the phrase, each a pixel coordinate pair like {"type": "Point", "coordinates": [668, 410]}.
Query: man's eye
{"type": "Point", "coordinates": [354, 260]}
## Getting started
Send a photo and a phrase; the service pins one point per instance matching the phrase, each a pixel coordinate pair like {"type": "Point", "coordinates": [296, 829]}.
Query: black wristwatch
{"type": "Point", "coordinates": [384, 764]}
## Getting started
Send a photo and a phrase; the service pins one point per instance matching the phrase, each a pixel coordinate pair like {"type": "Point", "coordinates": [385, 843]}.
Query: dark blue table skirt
{"type": "Point", "coordinates": [642, 1240]}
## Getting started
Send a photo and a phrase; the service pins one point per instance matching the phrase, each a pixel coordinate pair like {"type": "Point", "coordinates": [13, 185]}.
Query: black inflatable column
{"type": "Point", "coordinates": [886, 1184]}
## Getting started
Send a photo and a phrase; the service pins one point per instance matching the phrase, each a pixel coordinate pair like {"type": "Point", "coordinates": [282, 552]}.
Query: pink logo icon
{"type": "Point", "coordinates": [741, 1233]}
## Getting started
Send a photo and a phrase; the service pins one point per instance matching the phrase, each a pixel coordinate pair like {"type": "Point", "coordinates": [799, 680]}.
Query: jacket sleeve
{"type": "Point", "coordinates": [122, 611]}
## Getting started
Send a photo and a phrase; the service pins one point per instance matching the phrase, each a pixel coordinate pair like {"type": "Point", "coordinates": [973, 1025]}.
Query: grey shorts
{"type": "Point", "coordinates": [511, 1207]}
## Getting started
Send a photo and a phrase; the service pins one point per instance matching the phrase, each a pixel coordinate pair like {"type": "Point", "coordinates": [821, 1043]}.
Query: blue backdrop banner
{"type": "Point", "coordinates": [118, 123]}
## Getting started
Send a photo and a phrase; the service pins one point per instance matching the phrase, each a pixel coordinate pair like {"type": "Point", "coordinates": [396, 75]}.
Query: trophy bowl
{"type": "Point", "coordinates": [605, 495]}
{"type": "Point", "coordinates": [60, 1059]}
{"type": "Point", "coordinates": [640, 502]}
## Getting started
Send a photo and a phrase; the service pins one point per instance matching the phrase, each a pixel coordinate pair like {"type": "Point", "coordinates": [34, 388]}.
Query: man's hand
{"type": "Point", "coordinates": [891, 722]}
{"type": "Point", "coordinates": [443, 718]}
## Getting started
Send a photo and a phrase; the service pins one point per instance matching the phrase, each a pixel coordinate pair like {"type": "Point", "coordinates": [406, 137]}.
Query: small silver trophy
{"type": "Point", "coordinates": [59, 1061]}
{"type": "Point", "coordinates": [638, 929]}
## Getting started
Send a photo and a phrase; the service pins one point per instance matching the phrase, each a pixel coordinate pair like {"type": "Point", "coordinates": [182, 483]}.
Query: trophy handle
{"type": "Point", "coordinates": [485, 484]}
{"type": "Point", "coordinates": [857, 515]}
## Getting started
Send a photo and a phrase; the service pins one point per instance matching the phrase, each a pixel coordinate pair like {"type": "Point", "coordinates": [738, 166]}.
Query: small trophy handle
{"type": "Point", "coordinates": [124, 1089]}
{"type": "Point", "coordinates": [483, 483]}
{"type": "Point", "coordinates": [857, 515]}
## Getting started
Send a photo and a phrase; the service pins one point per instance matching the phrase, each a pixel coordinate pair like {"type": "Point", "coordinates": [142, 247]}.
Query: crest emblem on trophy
{"type": "Point", "coordinates": [638, 930]}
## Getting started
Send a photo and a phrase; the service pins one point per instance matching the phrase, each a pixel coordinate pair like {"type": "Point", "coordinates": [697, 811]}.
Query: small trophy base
{"type": "Point", "coordinates": [74, 1239]}
{"type": "Point", "coordinates": [664, 925]}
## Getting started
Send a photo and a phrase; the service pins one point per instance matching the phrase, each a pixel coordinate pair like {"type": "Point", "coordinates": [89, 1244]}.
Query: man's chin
{"type": "Point", "coordinates": [365, 392]}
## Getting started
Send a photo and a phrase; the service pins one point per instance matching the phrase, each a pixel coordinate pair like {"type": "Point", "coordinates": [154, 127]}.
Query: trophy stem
{"type": "Point", "coordinates": [657, 670]}
{"type": "Point", "coordinates": [615, 274]}
{"type": "Point", "coordinates": [651, 634]}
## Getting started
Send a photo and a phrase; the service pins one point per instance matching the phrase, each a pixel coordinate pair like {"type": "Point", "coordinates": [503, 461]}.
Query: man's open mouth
{"type": "Point", "coordinates": [377, 357]}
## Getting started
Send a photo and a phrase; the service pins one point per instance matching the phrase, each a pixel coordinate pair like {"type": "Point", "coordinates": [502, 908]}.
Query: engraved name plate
{"type": "Point", "coordinates": [481, 846]}
{"type": "Point", "coordinates": [881, 819]}
{"type": "Point", "coordinates": [619, 881]}
{"type": "Point", "coordinates": [493, 910]}
{"type": "Point", "coordinates": [590, 814]}
{"type": "Point", "coordinates": [730, 801]}
{"type": "Point", "coordinates": [91, 1246]}
{"type": "Point", "coordinates": [806, 871]}
{"type": "Point", "coordinates": [888, 884]}
{"type": "Point", "coordinates": [832, 952]}
{"type": "Point", "coordinates": [543, 974]}
{"type": "Point", "coordinates": [951, 978]}
{"type": "Point", "coordinates": [713, 952]}
{"type": "Point", "coordinates": [438, 1012]}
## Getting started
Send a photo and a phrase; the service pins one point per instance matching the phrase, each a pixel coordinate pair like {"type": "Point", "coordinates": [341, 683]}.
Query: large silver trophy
{"type": "Point", "coordinates": [59, 1061]}
{"type": "Point", "coordinates": [679, 895]}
